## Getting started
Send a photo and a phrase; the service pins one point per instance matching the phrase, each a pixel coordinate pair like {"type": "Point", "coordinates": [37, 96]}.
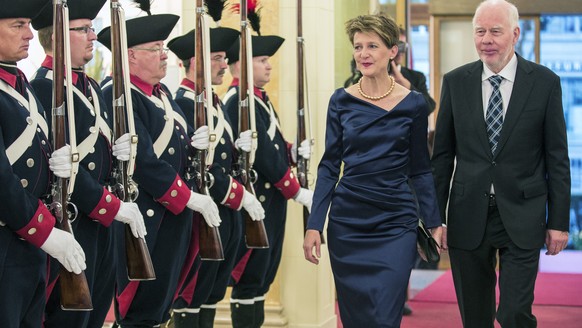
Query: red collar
{"type": "Point", "coordinates": [258, 91]}
{"type": "Point", "coordinates": [188, 83]}
{"type": "Point", "coordinates": [145, 87]}
{"type": "Point", "coordinates": [48, 64]}
{"type": "Point", "coordinates": [8, 77]}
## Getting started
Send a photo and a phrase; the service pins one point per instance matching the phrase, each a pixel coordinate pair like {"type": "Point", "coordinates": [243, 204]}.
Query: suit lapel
{"type": "Point", "coordinates": [522, 87]}
{"type": "Point", "coordinates": [474, 99]}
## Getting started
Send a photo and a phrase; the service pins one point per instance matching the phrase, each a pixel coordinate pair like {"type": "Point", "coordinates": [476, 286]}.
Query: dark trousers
{"type": "Point", "coordinates": [475, 279]}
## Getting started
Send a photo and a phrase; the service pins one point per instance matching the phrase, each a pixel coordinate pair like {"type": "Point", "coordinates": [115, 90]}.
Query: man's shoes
{"type": "Point", "coordinates": [407, 310]}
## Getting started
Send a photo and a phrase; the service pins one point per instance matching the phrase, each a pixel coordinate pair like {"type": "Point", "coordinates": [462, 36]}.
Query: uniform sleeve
{"type": "Point", "coordinates": [328, 169]}
{"type": "Point", "coordinates": [21, 211]}
{"type": "Point", "coordinates": [272, 162]}
{"type": "Point", "coordinates": [155, 175]}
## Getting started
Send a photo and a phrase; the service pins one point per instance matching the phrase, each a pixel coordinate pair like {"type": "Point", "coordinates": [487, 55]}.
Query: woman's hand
{"type": "Point", "coordinates": [312, 239]}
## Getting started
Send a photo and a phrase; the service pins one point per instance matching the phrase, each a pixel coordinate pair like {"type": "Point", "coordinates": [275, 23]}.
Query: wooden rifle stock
{"type": "Point", "coordinates": [75, 294]}
{"type": "Point", "coordinates": [302, 163]}
{"type": "Point", "coordinates": [209, 237]}
{"type": "Point", "coordinates": [138, 259]}
{"type": "Point", "coordinates": [255, 232]}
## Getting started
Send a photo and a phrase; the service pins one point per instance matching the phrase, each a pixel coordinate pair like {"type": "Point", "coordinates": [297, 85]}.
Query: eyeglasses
{"type": "Point", "coordinates": [84, 29]}
{"type": "Point", "coordinates": [160, 51]}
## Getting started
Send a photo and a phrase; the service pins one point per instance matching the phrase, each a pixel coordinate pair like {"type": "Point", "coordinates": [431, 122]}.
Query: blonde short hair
{"type": "Point", "coordinates": [385, 27]}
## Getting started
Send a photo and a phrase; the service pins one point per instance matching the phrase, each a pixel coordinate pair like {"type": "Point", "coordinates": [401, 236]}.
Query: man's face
{"type": "Point", "coordinates": [494, 37]}
{"type": "Point", "coordinates": [15, 35]}
{"type": "Point", "coordinates": [150, 61]}
{"type": "Point", "coordinates": [218, 66]}
{"type": "Point", "coordinates": [82, 37]}
{"type": "Point", "coordinates": [261, 71]}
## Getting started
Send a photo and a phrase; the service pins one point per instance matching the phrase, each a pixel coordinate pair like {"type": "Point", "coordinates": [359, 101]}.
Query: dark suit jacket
{"type": "Point", "coordinates": [530, 171]}
{"type": "Point", "coordinates": [418, 83]}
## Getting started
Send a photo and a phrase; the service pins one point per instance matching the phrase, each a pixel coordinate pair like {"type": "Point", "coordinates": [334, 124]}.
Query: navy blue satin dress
{"type": "Point", "coordinates": [373, 216]}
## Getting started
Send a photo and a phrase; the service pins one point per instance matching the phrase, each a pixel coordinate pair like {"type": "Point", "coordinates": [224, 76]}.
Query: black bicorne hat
{"type": "Point", "coordinates": [264, 45]}
{"type": "Point", "coordinates": [78, 9]}
{"type": "Point", "coordinates": [143, 30]}
{"type": "Point", "coordinates": [221, 39]}
{"type": "Point", "coordinates": [22, 8]}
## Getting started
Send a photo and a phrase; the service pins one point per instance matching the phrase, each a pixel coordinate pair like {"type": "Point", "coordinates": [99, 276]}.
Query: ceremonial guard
{"type": "Point", "coordinates": [26, 224]}
{"type": "Point", "coordinates": [163, 157]}
{"type": "Point", "coordinates": [97, 206]}
{"type": "Point", "coordinates": [196, 305]}
{"type": "Point", "coordinates": [256, 268]}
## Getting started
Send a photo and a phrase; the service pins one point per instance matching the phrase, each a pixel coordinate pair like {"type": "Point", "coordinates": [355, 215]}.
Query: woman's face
{"type": "Point", "coordinates": [371, 54]}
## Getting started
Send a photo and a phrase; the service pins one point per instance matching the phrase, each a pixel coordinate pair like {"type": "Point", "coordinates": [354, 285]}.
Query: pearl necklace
{"type": "Point", "coordinates": [378, 97]}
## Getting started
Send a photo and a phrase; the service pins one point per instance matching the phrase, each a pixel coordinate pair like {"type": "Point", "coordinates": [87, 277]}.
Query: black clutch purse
{"type": "Point", "coordinates": [427, 246]}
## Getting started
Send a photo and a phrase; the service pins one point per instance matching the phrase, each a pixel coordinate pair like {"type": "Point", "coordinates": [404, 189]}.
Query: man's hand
{"type": "Point", "coordinates": [200, 138]}
{"type": "Point", "coordinates": [64, 248]}
{"type": "Point", "coordinates": [122, 147]}
{"type": "Point", "coordinates": [129, 214]}
{"type": "Point", "coordinates": [304, 150]}
{"type": "Point", "coordinates": [244, 142]}
{"type": "Point", "coordinates": [252, 205]}
{"type": "Point", "coordinates": [60, 162]}
{"type": "Point", "coordinates": [556, 241]}
{"type": "Point", "coordinates": [305, 198]}
{"type": "Point", "coordinates": [204, 205]}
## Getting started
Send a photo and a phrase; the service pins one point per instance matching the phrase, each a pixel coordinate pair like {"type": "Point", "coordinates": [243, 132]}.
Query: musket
{"type": "Point", "coordinates": [75, 294]}
{"type": "Point", "coordinates": [302, 163]}
{"type": "Point", "coordinates": [139, 262]}
{"type": "Point", "coordinates": [209, 237]}
{"type": "Point", "coordinates": [255, 232]}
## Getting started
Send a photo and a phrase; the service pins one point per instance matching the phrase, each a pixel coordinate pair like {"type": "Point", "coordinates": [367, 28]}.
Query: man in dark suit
{"type": "Point", "coordinates": [511, 188]}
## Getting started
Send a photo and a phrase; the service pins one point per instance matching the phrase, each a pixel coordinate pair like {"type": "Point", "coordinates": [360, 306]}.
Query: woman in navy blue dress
{"type": "Point", "coordinates": [377, 130]}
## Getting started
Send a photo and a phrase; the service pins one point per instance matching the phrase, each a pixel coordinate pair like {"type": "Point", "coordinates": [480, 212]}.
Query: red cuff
{"type": "Point", "coordinates": [176, 198]}
{"type": "Point", "coordinates": [234, 196]}
{"type": "Point", "coordinates": [106, 209]}
{"type": "Point", "coordinates": [39, 227]}
{"type": "Point", "coordinates": [288, 185]}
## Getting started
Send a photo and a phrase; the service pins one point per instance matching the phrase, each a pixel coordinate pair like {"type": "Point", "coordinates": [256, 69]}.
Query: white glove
{"type": "Point", "coordinates": [252, 205]}
{"type": "Point", "coordinates": [204, 205]}
{"type": "Point", "coordinates": [62, 246]}
{"type": "Point", "coordinates": [200, 138]}
{"type": "Point", "coordinates": [129, 214]}
{"type": "Point", "coordinates": [305, 198]}
{"type": "Point", "coordinates": [60, 162]}
{"type": "Point", "coordinates": [121, 147]}
{"type": "Point", "coordinates": [304, 150]}
{"type": "Point", "coordinates": [244, 142]}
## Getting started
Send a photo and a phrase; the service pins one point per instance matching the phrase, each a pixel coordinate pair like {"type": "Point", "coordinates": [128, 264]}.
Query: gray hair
{"type": "Point", "coordinates": [512, 12]}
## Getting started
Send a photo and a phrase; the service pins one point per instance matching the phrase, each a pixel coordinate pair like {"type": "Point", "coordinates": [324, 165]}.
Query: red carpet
{"type": "Point", "coordinates": [551, 289]}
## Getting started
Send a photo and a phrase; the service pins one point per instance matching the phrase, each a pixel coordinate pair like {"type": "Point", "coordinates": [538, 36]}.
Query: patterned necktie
{"type": "Point", "coordinates": [494, 116]}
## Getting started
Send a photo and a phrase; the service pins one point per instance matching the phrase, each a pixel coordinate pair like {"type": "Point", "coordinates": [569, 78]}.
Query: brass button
{"type": "Point", "coordinates": [40, 218]}
{"type": "Point", "coordinates": [24, 183]}
{"type": "Point", "coordinates": [267, 185]}
{"type": "Point", "coordinates": [30, 162]}
{"type": "Point", "coordinates": [29, 120]}
{"type": "Point", "coordinates": [179, 183]}
{"type": "Point", "coordinates": [92, 129]}
{"type": "Point", "coordinates": [150, 213]}
{"type": "Point", "coordinates": [276, 146]}
{"type": "Point", "coordinates": [223, 155]}
{"type": "Point", "coordinates": [174, 193]}
{"type": "Point", "coordinates": [287, 183]}
{"type": "Point", "coordinates": [165, 203]}
{"type": "Point", "coordinates": [91, 166]}
{"type": "Point", "coordinates": [262, 198]}
{"type": "Point", "coordinates": [232, 195]}
{"type": "Point", "coordinates": [31, 231]}
{"type": "Point", "coordinates": [102, 211]}
{"type": "Point", "coordinates": [234, 186]}
{"type": "Point", "coordinates": [108, 198]}
{"type": "Point", "coordinates": [171, 151]}
{"type": "Point", "coordinates": [222, 141]}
